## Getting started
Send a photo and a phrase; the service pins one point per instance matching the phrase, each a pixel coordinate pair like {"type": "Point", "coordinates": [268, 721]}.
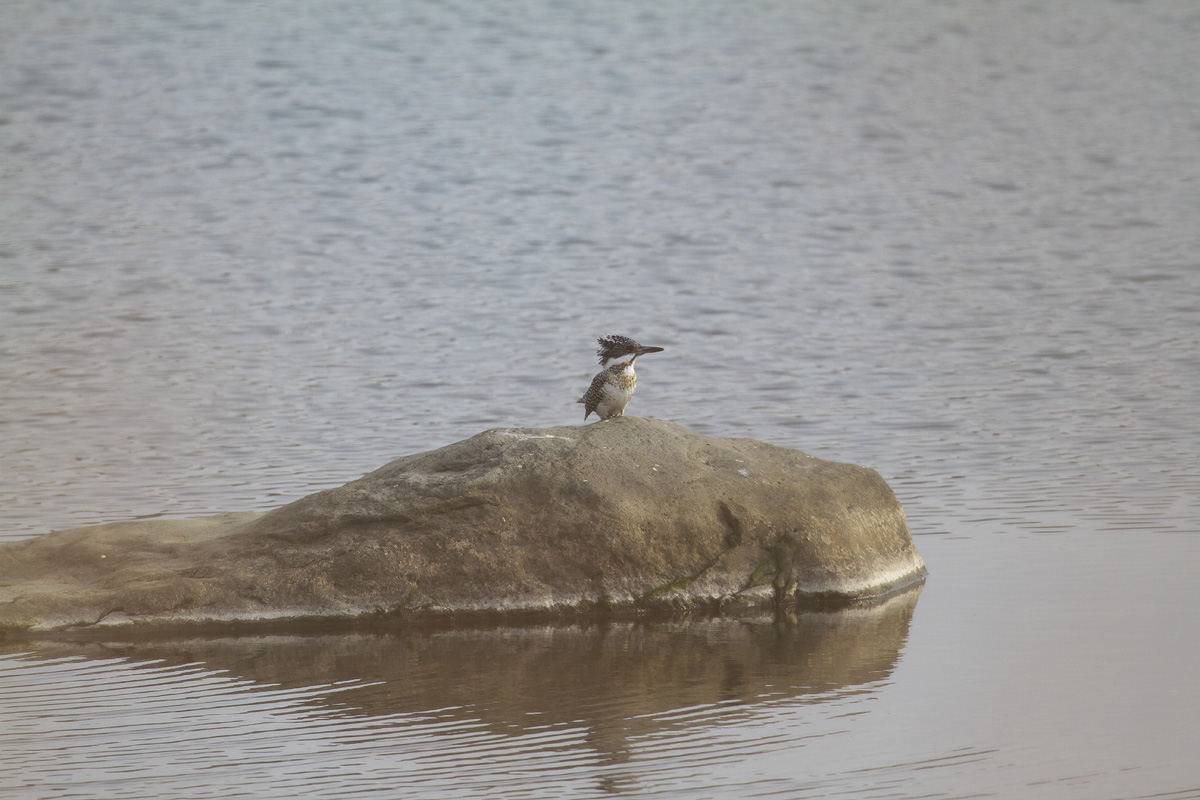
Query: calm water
{"type": "Point", "coordinates": [249, 251]}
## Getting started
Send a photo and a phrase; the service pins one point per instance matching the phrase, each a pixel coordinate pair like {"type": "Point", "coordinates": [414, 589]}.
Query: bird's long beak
{"type": "Point", "coordinates": [643, 350]}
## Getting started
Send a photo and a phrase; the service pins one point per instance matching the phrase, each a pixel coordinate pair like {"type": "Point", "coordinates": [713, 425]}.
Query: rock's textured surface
{"type": "Point", "coordinates": [623, 515]}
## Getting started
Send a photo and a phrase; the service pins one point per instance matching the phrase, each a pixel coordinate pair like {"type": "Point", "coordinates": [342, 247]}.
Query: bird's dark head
{"type": "Point", "coordinates": [620, 346]}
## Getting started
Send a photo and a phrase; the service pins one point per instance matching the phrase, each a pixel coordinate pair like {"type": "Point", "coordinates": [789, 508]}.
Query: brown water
{"type": "Point", "coordinates": [248, 251]}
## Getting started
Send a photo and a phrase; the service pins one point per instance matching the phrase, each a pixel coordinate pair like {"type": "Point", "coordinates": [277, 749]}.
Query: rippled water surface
{"type": "Point", "coordinates": [248, 251]}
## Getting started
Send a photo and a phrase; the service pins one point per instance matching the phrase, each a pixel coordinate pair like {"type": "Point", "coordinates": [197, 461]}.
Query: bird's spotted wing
{"type": "Point", "coordinates": [595, 393]}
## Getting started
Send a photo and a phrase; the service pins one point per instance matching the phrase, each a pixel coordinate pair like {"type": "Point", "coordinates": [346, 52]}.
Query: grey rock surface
{"type": "Point", "coordinates": [623, 516]}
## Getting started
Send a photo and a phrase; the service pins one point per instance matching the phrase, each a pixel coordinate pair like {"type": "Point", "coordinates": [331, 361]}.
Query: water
{"type": "Point", "coordinates": [252, 251]}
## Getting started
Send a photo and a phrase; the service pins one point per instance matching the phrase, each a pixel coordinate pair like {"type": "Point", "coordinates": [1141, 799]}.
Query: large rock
{"type": "Point", "coordinates": [617, 517]}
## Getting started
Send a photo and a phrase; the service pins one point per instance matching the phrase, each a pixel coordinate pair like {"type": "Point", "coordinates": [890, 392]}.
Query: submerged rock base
{"type": "Point", "coordinates": [625, 516]}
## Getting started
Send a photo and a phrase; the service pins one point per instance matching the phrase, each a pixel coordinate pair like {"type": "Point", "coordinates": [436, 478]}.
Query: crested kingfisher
{"type": "Point", "coordinates": [612, 387]}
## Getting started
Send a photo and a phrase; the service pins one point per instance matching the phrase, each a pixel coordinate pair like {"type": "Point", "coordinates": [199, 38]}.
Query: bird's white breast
{"type": "Point", "coordinates": [616, 392]}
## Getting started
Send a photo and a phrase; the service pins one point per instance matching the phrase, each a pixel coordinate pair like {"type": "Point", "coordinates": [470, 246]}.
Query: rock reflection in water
{"type": "Point", "coordinates": [618, 680]}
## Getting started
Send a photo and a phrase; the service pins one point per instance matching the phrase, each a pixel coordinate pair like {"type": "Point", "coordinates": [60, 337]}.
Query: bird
{"type": "Point", "coordinates": [613, 386]}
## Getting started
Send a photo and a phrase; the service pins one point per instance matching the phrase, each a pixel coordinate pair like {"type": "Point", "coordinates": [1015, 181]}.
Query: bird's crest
{"type": "Point", "coordinates": [616, 347]}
